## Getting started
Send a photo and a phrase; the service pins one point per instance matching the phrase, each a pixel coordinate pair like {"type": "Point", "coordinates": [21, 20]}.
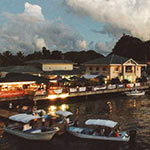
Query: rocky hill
{"type": "Point", "coordinates": [132, 47]}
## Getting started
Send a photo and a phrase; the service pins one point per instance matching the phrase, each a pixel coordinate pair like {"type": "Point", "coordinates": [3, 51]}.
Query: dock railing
{"type": "Point", "coordinates": [93, 90]}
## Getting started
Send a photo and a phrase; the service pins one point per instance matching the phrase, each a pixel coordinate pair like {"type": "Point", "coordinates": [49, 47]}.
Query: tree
{"type": "Point", "coordinates": [142, 79]}
{"type": "Point", "coordinates": [7, 58]}
{"type": "Point", "coordinates": [82, 56]}
{"type": "Point", "coordinates": [56, 54]}
{"type": "Point", "coordinates": [7, 54]}
{"type": "Point", "coordinates": [132, 47]}
{"type": "Point", "coordinates": [46, 53]}
{"type": "Point", "coordinates": [125, 81]}
{"type": "Point", "coordinates": [20, 55]}
{"type": "Point", "coordinates": [115, 81]}
{"type": "Point", "coordinates": [18, 58]}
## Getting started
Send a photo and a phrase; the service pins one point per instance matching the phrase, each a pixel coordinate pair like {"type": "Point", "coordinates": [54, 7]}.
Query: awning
{"type": "Point", "coordinates": [16, 77]}
{"type": "Point", "coordinates": [24, 118]}
{"type": "Point", "coordinates": [64, 80]}
{"type": "Point", "coordinates": [64, 113]}
{"type": "Point", "coordinates": [101, 122]}
{"type": "Point", "coordinates": [89, 76]}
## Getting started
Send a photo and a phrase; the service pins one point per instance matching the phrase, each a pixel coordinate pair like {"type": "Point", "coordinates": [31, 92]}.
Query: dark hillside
{"type": "Point", "coordinates": [82, 56]}
{"type": "Point", "coordinates": [132, 47]}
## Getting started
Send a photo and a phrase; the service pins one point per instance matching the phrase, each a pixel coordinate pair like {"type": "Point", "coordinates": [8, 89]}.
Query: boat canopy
{"type": "Point", "coordinates": [24, 118]}
{"type": "Point", "coordinates": [89, 76]}
{"type": "Point", "coordinates": [64, 113]}
{"type": "Point", "coordinates": [101, 122]}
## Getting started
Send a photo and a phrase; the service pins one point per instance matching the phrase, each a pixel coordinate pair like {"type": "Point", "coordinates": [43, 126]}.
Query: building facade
{"type": "Point", "coordinates": [57, 66]}
{"type": "Point", "coordinates": [114, 66]}
{"type": "Point", "coordinates": [53, 68]}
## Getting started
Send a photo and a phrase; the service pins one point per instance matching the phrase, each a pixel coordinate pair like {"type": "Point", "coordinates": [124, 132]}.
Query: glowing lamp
{"type": "Point", "coordinates": [52, 96]}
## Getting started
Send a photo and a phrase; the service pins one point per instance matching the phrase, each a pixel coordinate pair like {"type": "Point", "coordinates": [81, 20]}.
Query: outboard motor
{"type": "Point", "coordinates": [132, 135]}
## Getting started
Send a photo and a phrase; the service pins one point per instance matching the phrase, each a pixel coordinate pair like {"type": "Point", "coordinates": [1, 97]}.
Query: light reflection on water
{"type": "Point", "coordinates": [130, 112]}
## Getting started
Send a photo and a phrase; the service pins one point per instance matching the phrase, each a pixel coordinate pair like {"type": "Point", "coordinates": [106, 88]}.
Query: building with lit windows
{"type": "Point", "coordinates": [114, 66]}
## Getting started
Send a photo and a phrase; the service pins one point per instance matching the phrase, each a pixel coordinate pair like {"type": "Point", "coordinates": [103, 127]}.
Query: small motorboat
{"type": "Point", "coordinates": [135, 93]}
{"type": "Point", "coordinates": [29, 127]}
{"type": "Point", "coordinates": [68, 116]}
{"type": "Point", "coordinates": [106, 130]}
{"type": "Point", "coordinates": [55, 120]}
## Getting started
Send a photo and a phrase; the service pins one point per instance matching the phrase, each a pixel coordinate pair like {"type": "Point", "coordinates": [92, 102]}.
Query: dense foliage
{"type": "Point", "coordinates": [7, 58]}
{"type": "Point", "coordinates": [127, 46]}
{"type": "Point", "coordinates": [132, 47]}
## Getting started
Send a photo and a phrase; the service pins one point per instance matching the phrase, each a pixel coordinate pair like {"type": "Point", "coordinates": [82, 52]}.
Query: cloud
{"type": "Point", "coordinates": [102, 48]}
{"type": "Point", "coordinates": [111, 31]}
{"type": "Point", "coordinates": [81, 44]}
{"type": "Point", "coordinates": [116, 16]}
{"type": "Point", "coordinates": [33, 10]}
{"type": "Point", "coordinates": [30, 31]}
{"type": "Point", "coordinates": [40, 42]}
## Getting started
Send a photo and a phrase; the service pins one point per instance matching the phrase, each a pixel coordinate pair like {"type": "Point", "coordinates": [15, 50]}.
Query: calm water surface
{"type": "Point", "coordinates": [132, 113]}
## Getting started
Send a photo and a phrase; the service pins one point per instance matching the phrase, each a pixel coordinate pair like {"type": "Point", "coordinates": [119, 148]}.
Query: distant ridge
{"type": "Point", "coordinates": [132, 47]}
{"type": "Point", "coordinates": [82, 56]}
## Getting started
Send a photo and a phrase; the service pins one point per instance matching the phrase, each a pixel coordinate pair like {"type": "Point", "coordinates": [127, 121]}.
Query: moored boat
{"type": "Point", "coordinates": [30, 127]}
{"type": "Point", "coordinates": [106, 130]}
{"type": "Point", "coordinates": [68, 116]}
{"type": "Point", "coordinates": [135, 93]}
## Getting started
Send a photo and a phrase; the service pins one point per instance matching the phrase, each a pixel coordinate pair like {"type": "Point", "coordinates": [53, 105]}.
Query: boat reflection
{"type": "Point", "coordinates": [53, 108]}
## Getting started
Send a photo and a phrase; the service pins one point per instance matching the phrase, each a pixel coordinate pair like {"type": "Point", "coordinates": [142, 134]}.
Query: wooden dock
{"type": "Point", "coordinates": [6, 113]}
{"type": "Point", "coordinates": [78, 94]}
{"type": "Point", "coordinates": [100, 92]}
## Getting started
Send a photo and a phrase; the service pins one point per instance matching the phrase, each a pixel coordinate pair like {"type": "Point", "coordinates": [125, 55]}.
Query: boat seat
{"type": "Point", "coordinates": [87, 131]}
{"type": "Point", "coordinates": [79, 130]}
{"type": "Point", "coordinates": [34, 130]}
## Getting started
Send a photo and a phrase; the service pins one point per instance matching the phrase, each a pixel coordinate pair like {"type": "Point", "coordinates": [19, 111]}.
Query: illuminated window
{"type": "Point", "coordinates": [117, 69]}
{"type": "Point", "coordinates": [129, 69]}
{"type": "Point", "coordinates": [104, 69]}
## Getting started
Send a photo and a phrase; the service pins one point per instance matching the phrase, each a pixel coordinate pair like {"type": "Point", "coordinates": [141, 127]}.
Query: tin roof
{"type": "Point", "coordinates": [48, 61]}
{"type": "Point", "coordinates": [111, 59]}
{"type": "Point", "coordinates": [19, 69]}
{"type": "Point", "coordinates": [15, 77]}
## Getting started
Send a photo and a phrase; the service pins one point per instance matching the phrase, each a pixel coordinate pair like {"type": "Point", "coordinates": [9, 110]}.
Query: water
{"type": "Point", "coordinates": [132, 113]}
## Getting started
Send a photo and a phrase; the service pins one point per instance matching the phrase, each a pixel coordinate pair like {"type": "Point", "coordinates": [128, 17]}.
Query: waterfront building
{"type": "Point", "coordinates": [114, 66]}
{"type": "Point", "coordinates": [32, 73]}
{"type": "Point", "coordinates": [51, 65]}
{"type": "Point", "coordinates": [54, 68]}
{"type": "Point", "coordinates": [46, 68]}
{"type": "Point", "coordinates": [27, 69]}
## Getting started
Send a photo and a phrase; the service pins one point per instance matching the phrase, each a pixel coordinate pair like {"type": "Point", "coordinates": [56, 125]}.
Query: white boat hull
{"type": "Point", "coordinates": [42, 136]}
{"type": "Point", "coordinates": [103, 138]}
{"type": "Point", "coordinates": [135, 94]}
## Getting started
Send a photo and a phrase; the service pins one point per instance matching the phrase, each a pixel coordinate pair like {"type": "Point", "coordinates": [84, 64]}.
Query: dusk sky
{"type": "Point", "coordinates": [71, 25]}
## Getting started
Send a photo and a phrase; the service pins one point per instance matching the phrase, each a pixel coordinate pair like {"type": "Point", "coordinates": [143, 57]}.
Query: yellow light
{"type": "Point", "coordinates": [52, 110]}
{"type": "Point", "coordinates": [63, 95]}
{"type": "Point", "coordinates": [52, 96]}
{"type": "Point", "coordinates": [53, 81]}
{"type": "Point", "coordinates": [12, 83]}
{"type": "Point", "coordinates": [63, 107]}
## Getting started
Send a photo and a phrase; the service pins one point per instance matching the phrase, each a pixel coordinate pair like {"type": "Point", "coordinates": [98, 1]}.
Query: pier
{"type": "Point", "coordinates": [72, 92]}
{"type": "Point", "coordinates": [88, 93]}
